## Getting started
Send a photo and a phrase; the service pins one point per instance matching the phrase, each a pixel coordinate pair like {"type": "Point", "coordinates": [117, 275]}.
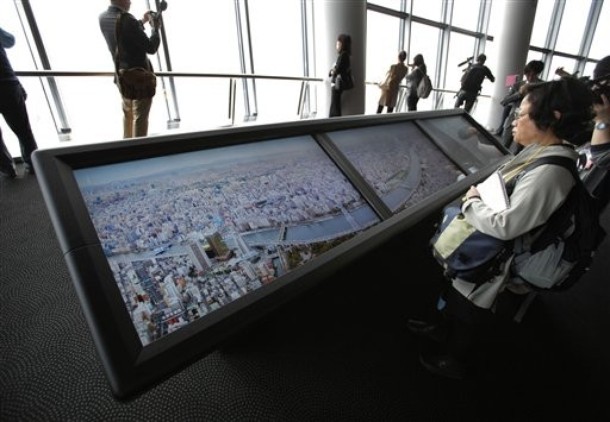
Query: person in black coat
{"type": "Point", "coordinates": [341, 70]}
{"type": "Point", "coordinates": [12, 107]}
{"type": "Point", "coordinates": [471, 83]}
{"type": "Point", "coordinates": [135, 45]}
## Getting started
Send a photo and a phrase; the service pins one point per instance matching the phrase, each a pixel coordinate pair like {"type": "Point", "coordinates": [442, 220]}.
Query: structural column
{"type": "Point", "coordinates": [512, 46]}
{"type": "Point", "coordinates": [333, 18]}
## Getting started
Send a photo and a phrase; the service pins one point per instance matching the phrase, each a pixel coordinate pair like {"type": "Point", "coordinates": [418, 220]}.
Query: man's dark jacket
{"type": "Point", "coordinates": [474, 76]}
{"type": "Point", "coordinates": [135, 43]}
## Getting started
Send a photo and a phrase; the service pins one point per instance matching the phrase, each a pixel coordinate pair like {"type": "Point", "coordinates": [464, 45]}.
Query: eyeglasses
{"type": "Point", "coordinates": [517, 113]}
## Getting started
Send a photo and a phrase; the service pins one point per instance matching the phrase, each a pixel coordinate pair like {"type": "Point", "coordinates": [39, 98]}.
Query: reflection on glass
{"type": "Point", "coordinates": [398, 161]}
{"type": "Point", "coordinates": [467, 146]}
{"type": "Point", "coordinates": [189, 233]}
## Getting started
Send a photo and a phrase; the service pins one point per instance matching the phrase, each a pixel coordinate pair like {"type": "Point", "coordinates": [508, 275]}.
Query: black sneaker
{"type": "Point", "coordinates": [29, 168]}
{"type": "Point", "coordinates": [444, 365]}
{"type": "Point", "coordinates": [8, 172]}
{"type": "Point", "coordinates": [434, 332]}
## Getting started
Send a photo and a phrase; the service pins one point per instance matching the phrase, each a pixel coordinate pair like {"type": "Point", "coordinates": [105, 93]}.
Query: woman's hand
{"type": "Point", "coordinates": [602, 111]}
{"type": "Point", "coordinates": [472, 193]}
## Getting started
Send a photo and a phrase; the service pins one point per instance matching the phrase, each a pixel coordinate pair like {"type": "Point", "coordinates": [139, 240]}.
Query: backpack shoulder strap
{"type": "Point", "coordinates": [558, 160]}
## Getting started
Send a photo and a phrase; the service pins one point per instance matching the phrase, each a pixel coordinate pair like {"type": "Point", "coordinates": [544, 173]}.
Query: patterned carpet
{"type": "Point", "coordinates": [338, 353]}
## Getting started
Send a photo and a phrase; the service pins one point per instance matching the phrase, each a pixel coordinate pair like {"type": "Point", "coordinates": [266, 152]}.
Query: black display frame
{"type": "Point", "coordinates": [131, 367]}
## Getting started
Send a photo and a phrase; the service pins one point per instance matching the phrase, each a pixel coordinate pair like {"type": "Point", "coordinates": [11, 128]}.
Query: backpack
{"type": "Point", "coordinates": [424, 87]}
{"type": "Point", "coordinates": [564, 248]}
{"type": "Point", "coordinates": [472, 79]}
{"type": "Point", "coordinates": [466, 253]}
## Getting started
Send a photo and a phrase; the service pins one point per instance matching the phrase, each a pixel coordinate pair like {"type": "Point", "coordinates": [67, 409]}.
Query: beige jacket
{"type": "Point", "coordinates": [389, 88]}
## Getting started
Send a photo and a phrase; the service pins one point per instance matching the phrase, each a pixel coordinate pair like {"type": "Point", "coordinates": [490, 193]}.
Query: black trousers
{"type": "Point", "coordinates": [380, 109]}
{"type": "Point", "coordinates": [412, 101]}
{"type": "Point", "coordinates": [335, 102]}
{"type": "Point", "coordinates": [467, 325]}
{"type": "Point", "coordinates": [466, 97]}
{"type": "Point", "coordinates": [13, 108]}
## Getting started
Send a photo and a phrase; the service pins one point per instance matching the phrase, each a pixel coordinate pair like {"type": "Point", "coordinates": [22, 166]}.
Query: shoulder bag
{"type": "Point", "coordinates": [135, 83]}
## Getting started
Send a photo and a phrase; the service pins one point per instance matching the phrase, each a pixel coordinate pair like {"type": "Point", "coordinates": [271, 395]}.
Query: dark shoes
{"type": "Point", "coordinates": [434, 332]}
{"type": "Point", "coordinates": [8, 172]}
{"type": "Point", "coordinates": [438, 363]}
{"type": "Point", "coordinates": [29, 168]}
{"type": "Point", "coordinates": [444, 365]}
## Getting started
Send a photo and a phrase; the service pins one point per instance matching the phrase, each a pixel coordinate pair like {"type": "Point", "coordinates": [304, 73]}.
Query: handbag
{"type": "Point", "coordinates": [135, 83]}
{"type": "Point", "coordinates": [344, 84]}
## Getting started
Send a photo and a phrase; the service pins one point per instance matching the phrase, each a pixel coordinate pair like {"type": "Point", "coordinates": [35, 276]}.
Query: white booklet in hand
{"type": "Point", "coordinates": [493, 192]}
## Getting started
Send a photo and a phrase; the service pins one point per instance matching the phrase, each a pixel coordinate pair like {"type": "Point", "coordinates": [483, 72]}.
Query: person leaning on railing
{"type": "Point", "coordinates": [13, 108]}
{"type": "Point", "coordinates": [600, 140]}
{"type": "Point", "coordinates": [133, 49]}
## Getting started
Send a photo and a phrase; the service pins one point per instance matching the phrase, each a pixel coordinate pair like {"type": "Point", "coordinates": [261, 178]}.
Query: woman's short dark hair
{"type": "Point", "coordinates": [418, 60]}
{"type": "Point", "coordinates": [571, 98]}
{"type": "Point", "coordinates": [602, 68]}
{"type": "Point", "coordinates": [346, 42]}
{"type": "Point", "coordinates": [536, 66]}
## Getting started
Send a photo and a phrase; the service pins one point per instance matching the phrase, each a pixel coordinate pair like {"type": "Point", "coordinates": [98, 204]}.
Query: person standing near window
{"type": "Point", "coordinates": [413, 80]}
{"type": "Point", "coordinates": [12, 107]}
{"type": "Point", "coordinates": [341, 69]}
{"type": "Point", "coordinates": [471, 83]}
{"type": "Point", "coordinates": [391, 85]}
{"type": "Point", "coordinates": [134, 47]}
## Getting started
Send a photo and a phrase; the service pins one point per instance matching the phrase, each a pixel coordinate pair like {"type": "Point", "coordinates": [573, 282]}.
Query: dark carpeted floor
{"type": "Point", "coordinates": [338, 353]}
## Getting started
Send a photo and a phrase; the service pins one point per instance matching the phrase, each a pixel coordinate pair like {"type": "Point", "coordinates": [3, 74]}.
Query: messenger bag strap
{"type": "Point", "coordinates": [117, 50]}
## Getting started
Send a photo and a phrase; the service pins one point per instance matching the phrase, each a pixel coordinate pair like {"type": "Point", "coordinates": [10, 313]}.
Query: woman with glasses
{"type": "Point", "coordinates": [550, 122]}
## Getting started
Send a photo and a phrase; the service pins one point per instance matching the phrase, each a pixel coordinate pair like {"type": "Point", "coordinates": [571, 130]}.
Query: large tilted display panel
{"type": "Point", "coordinates": [175, 243]}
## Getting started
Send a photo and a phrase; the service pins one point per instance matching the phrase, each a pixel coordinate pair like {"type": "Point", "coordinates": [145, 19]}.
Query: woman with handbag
{"type": "Point", "coordinates": [340, 74]}
{"type": "Point", "coordinates": [552, 119]}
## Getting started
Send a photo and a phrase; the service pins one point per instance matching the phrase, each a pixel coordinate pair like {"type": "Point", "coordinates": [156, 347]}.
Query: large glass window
{"type": "Point", "coordinates": [390, 4]}
{"type": "Point", "coordinates": [465, 17]}
{"type": "Point", "coordinates": [568, 65]}
{"type": "Point", "coordinates": [542, 21]}
{"type": "Point", "coordinates": [571, 34]}
{"type": "Point", "coordinates": [203, 37]}
{"type": "Point", "coordinates": [81, 41]}
{"type": "Point", "coordinates": [460, 48]}
{"type": "Point", "coordinates": [381, 45]}
{"type": "Point", "coordinates": [429, 9]}
{"type": "Point", "coordinates": [278, 53]}
{"type": "Point", "coordinates": [599, 48]}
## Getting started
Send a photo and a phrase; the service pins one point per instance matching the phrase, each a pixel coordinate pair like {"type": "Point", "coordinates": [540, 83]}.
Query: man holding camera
{"type": "Point", "coordinates": [471, 83]}
{"type": "Point", "coordinates": [133, 45]}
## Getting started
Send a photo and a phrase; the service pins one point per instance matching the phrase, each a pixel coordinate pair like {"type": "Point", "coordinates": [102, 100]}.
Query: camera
{"type": "Point", "coordinates": [468, 61]}
{"type": "Point", "coordinates": [600, 86]}
{"type": "Point", "coordinates": [160, 9]}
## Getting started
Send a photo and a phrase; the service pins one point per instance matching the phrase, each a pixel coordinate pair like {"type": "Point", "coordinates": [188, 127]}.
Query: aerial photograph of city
{"type": "Point", "coordinates": [401, 164]}
{"type": "Point", "coordinates": [186, 234]}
